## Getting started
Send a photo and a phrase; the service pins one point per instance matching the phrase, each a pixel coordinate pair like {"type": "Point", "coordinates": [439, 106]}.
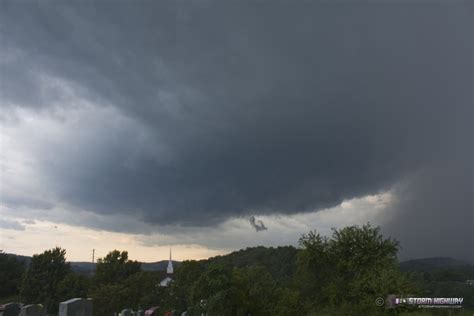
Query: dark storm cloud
{"type": "Point", "coordinates": [434, 212]}
{"type": "Point", "coordinates": [280, 108]}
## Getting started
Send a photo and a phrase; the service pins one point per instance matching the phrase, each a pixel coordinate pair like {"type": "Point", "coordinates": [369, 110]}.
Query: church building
{"type": "Point", "coordinates": [169, 274]}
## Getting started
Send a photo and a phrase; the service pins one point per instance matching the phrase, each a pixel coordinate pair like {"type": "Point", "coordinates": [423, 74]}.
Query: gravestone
{"type": "Point", "coordinates": [33, 310]}
{"type": "Point", "coordinates": [76, 307]}
{"type": "Point", "coordinates": [12, 309]}
{"type": "Point", "coordinates": [153, 311]}
{"type": "Point", "coordinates": [140, 313]}
{"type": "Point", "coordinates": [126, 312]}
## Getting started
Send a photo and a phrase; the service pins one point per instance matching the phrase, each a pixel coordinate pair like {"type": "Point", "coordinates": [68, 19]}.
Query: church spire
{"type": "Point", "coordinates": [169, 269]}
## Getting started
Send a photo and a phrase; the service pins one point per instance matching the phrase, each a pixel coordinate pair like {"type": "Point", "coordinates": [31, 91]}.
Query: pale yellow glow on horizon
{"type": "Point", "coordinates": [79, 243]}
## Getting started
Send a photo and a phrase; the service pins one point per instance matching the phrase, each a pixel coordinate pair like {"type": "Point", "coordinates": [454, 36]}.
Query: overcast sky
{"type": "Point", "coordinates": [210, 126]}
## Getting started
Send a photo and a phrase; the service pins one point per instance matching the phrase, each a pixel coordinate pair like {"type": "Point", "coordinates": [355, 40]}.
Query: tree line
{"type": "Point", "coordinates": [341, 274]}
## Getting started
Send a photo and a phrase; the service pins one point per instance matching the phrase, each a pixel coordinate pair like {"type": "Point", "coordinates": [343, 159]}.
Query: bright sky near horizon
{"type": "Point", "coordinates": [31, 237]}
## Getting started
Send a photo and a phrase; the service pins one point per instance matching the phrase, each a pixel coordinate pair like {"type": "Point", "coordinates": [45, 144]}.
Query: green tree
{"type": "Point", "coordinates": [279, 261]}
{"type": "Point", "coordinates": [258, 289]}
{"type": "Point", "coordinates": [119, 283]}
{"type": "Point", "coordinates": [143, 289]}
{"type": "Point", "coordinates": [214, 292]}
{"type": "Point", "coordinates": [73, 285]}
{"type": "Point", "coordinates": [187, 273]}
{"type": "Point", "coordinates": [288, 302]}
{"type": "Point", "coordinates": [109, 298]}
{"type": "Point", "coordinates": [139, 290]}
{"type": "Point", "coordinates": [41, 281]}
{"type": "Point", "coordinates": [11, 271]}
{"type": "Point", "coordinates": [227, 290]}
{"type": "Point", "coordinates": [348, 271]}
{"type": "Point", "coordinates": [115, 267]}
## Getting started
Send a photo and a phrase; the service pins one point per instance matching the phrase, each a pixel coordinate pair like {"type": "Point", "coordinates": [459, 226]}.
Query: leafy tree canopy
{"type": "Point", "coordinates": [349, 270]}
{"type": "Point", "coordinates": [115, 267]}
{"type": "Point", "coordinates": [11, 271]}
{"type": "Point", "coordinates": [42, 279]}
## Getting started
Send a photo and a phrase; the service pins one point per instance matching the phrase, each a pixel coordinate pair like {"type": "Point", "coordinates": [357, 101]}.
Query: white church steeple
{"type": "Point", "coordinates": [169, 269]}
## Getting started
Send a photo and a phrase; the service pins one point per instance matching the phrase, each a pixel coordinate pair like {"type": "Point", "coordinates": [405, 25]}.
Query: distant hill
{"type": "Point", "coordinates": [158, 266]}
{"type": "Point", "coordinates": [89, 267]}
{"type": "Point", "coordinates": [442, 277]}
{"type": "Point", "coordinates": [432, 264]}
{"type": "Point", "coordinates": [24, 259]}
{"type": "Point", "coordinates": [279, 261]}
{"type": "Point", "coordinates": [146, 266]}
{"type": "Point", "coordinates": [83, 267]}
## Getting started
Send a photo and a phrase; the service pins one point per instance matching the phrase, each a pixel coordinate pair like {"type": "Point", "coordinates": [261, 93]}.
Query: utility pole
{"type": "Point", "coordinates": [93, 254]}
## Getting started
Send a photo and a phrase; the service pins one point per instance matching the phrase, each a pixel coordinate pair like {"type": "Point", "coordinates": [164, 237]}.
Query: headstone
{"type": "Point", "coordinates": [76, 307]}
{"type": "Point", "coordinates": [126, 312]}
{"type": "Point", "coordinates": [33, 310]}
{"type": "Point", "coordinates": [152, 311]}
{"type": "Point", "coordinates": [12, 309]}
{"type": "Point", "coordinates": [140, 312]}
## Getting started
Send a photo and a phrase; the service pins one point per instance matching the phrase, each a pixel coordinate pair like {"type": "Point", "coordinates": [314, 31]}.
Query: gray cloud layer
{"type": "Point", "coordinates": [10, 224]}
{"type": "Point", "coordinates": [247, 108]}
